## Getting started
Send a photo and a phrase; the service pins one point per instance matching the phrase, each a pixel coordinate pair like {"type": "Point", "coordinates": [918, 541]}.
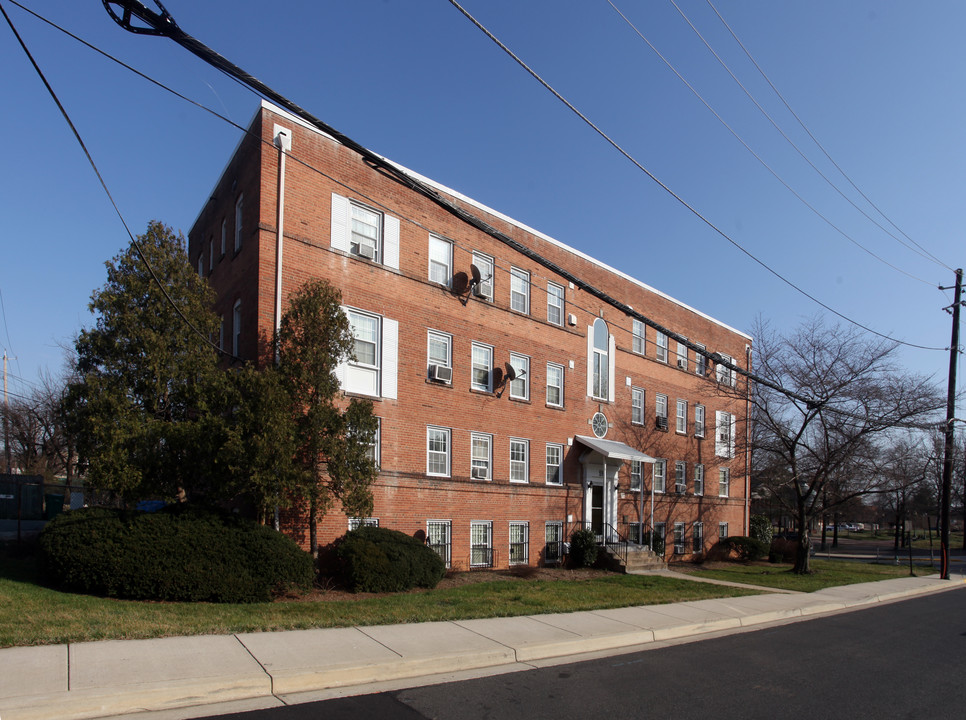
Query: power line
{"type": "Point", "coordinates": [673, 194]}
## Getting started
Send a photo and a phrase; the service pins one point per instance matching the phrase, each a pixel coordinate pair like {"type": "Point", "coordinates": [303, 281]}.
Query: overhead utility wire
{"type": "Point", "coordinates": [758, 157]}
{"type": "Point", "coordinates": [80, 141]}
{"type": "Point", "coordinates": [673, 194]}
{"type": "Point", "coordinates": [819, 144]}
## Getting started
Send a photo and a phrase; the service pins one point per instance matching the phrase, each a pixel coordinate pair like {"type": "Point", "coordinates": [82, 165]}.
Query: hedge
{"type": "Point", "coordinates": [375, 559]}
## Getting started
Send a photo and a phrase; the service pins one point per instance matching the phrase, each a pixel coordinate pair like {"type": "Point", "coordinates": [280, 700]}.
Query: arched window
{"type": "Point", "coordinates": [600, 360]}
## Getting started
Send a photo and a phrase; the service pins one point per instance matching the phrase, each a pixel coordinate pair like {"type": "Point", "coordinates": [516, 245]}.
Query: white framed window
{"type": "Point", "coordinates": [555, 303]}
{"type": "Point", "coordinates": [659, 476]}
{"type": "Point", "coordinates": [699, 421]}
{"type": "Point", "coordinates": [519, 460]}
{"type": "Point", "coordinates": [439, 537]}
{"type": "Point", "coordinates": [362, 372]}
{"type": "Point", "coordinates": [484, 263]}
{"type": "Point", "coordinates": [373, 451]}
{"type": "Point", "coordinates": [681, 419]}
{"type": "Point", "coordinates": [440, 260]}
{"type": "Point", "coordinates": [520, 385]}
{"type": "Point", "coordinates": [553, 536]}
{"type": "Point", "coordinates": [699, 479]}
{"type": "Point", "coordinates": [637, 333]}
{"type": "Point", "coordinates": [520, 290]}
{"type": "Point", "coordinates": [439, 356]}
{"type": "Point", "coordinates": [236, 320]}
{"type": "Point", "coordinates": [724, 435]}
{"type": "Point", "coordinates": [679, 538]}
{"type": "Point", "coordinates": [660, 411]}
{"type": "Point", "coordinates": [661, 347]}
{"type": "Point", "coordinates": [682, 356]}
{"type": "Point", "coordinates": [660, 531]}
{"type": "Point", "coordinates": [680, 477]}
{"type": "Point", "coordinates": [724, 482]}
{"type": "Point", "coordinates": [634, 533]}
{"type": "Point", "coordinates": [357, 522]}
{"type": "Point", "coordinates": [481, 456]}
{"type": "Point", "coordinates": [722, 531]}
{"type": "Point", "coordinates": [364, 232]}
{"type": "Point", "coordinates": [554, 464]}
{"type": "Point", "coordinates": [437, 451]}
{"type": "Point", "coordinates": [481, 543]}
{"type": "Point", "coordinates": [519, 543]}
{"type": "Point", "coordinates": [637, 474]}
{"type": "Point", "coordinates": [700, 362]}
{"type": "Point", "coordinates": [697, 537]}
{"type": "Point", "coordinates": [201, 265]}
{"type": "Point", "coordinates": [637, 406]}
{"type": "Point", "coordinates": [601, 360]}
{"type": "Point", "coordinates": [482, 368]}
{"type": "Point", "coordinates": [555, 385]}
{"type": "Point", "coordinates": [239, 207]}
{"type": "Point", "coordinates": [725, 375]}
{"type": "Point", "coordinates": [224, 236]}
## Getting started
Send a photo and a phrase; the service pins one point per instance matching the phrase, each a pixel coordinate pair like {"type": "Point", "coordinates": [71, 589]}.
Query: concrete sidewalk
{"type": "Point", "coordinates": [185, 677]}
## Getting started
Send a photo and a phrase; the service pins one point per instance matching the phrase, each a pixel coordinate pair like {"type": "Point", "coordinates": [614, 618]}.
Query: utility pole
{"type": "Point", "coordinates": [6, 416]}
{"type": "Point", "coordinates": [950, 430]}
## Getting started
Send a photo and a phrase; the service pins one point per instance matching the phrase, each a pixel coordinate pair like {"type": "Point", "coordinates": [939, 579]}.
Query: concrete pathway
{"type": "Point", "coordinates": [184, 677]}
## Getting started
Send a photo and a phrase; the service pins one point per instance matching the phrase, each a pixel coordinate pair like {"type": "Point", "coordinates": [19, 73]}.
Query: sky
{"type": "Point", "coordinates": [878, 83]}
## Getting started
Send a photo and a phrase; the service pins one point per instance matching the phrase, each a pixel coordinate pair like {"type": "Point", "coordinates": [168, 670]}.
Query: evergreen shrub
{"type": "Point", "coordinates": [375, 559]}
{"type": "Point", "coordinates": [181, 553]}
{"type": "Point", "coordinates": [583, 548]}
{"type": "Point", "coordinates": [747, 548]}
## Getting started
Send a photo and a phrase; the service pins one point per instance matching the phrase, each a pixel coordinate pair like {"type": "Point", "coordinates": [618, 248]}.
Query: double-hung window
{"type": "Point", "coordinates": [239, 207]}
{"type": "Point", "coordinates": [697, 537]}
{"type": "Point", "coordinates": [637, 406]}
{"type": "Point", "coordinates": [699, 479]}
{"type": "Point", "coordinates": [699, 421]}
{"type": "Point", "coordinates": [637, 474]}
{"type": "Point", "coordinates": [484, 263]}
{"type": "Point", "coordinates": [660, 411]}
{"type": "Point", "coordinates": [520, 385]}
{"type": "Point", "coordinates": [555, 304]}
{"type": "Point", "coordinates": [519, 460]}
{"type": "Point", "coordinates": [481, 543]}
{"type": "Point", "coordinates": [659, 476]}
{"type": "Point", "coordinates": [439, 354]}
{"type": "Point", "coordinates": [555, 384]}
{"type": "Point", "coordinates": [661, 344]}
{"type": "Point", "coordinates": [439, 534]}
{"type": "Point", "coordinates": [553, 536]}
{"type": "Point", "coordinates": [519, 543]}
{"type": "Point", "coordinates": [681, 419]}
{"type": "Point", "coordinates": [440, 260]}
{"type": "Point", "coordinates": [554, 464]}
{"type": "Point", "coordinates": [437, 451]}
{"type": "Point", "coordinates": [724, 443]}
{"type": "Point", "coordinates": [680, 477]}
{"type": "Point", "coordinates": [724, 482]}
{"type": "Point", "coordinates": [364, 232]}
{"type": "Point", "coordinates": [682, 356]}
{"type": "Point", "coordinates": [482, 366]}
{"type": "Point", "coordinates": [201, 265]}
{"type": "Point", "coordinates": [722, 531]}
{"type": "Point", "coordinates": [700, 361]}
{"type": "Point", "coordinates": [224, 235]}
{"type": "Point", "coordinates": [723, 374]}
{"type": "Point", "coordinates": [373, 448]}
{"type": "Point", "coordinates": [679, 538]}
{"type": "Point", "coordinates": [481, 456]}
{"type": "Point", "coordinates": [365, 239]}
{"type": "Point", "coordinates": [362, 372]}
{"type": "Point", "coordinates": [520, 290]}
{"type": "Point", "coordinates": [601, 360]}
{"type": "Point", "coordinates": [638, 337]}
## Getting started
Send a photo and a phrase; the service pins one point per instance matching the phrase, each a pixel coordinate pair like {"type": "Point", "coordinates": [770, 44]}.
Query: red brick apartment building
{"type": "Point", "coordinates": [603, 421]}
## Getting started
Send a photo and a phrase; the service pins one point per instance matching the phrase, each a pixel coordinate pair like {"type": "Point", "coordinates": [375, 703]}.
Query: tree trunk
{"type": "Point", "coordinates": [313, 529]}
{"type": "Point", "coordinates": [804, 542]}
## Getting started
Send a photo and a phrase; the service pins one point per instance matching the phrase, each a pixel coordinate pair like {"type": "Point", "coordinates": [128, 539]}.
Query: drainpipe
{"type": "Point", "coordinates": [748, 440]}
{"type": "Point", "coordinates": [283, 141]}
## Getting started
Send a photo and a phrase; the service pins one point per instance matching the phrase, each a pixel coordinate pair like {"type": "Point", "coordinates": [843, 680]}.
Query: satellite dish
{"type": "Point", "coordinates": [461, 283]}
{"type": "Point", "coordinates": [511, 374]}
{"type": "Point", "coordinates": [475, 273]}
{"type": "Point", "coordinates": [497, 376]}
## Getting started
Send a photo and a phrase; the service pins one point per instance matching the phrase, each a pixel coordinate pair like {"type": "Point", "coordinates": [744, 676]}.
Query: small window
{"type": "Point", "coordinates": [637, 406]}
{"type": "Point", "coordinates": [365, 237]}
{"type": "Point", "coordinates": [481, 455]}
{"type": "Point", "coordinates": [519, 543]}
{"type": "Point", "coordinates": [520, 290]}
{"type": "Point", "coordinates": [700, 361]}
{"type": "Point", "coordinates": [481, 544]}
{"type": "Point", "coordinates": [680, 477]}
{"type": "Point", "coordinates": [660, 411]}
{"type": "Point", "coordinates": [357, 522]}
{"type": "Point", "coordinates": [519, 461]}
{"type": "Point", "coordinates": [239, 207]}
{"type": "Point", "coordinates": [699, 421]}
{"type": "Point", "coordinates": [659, 475]}
{"type": "Point", "coordinates": [699, 479]}
{"type": "Point", "coordinates": [437, 451]}
{"type": "Point", "coordinates": [520, 385]}
{"type": "Point", "coordinates": [723, 531]}
{"type": "Point", "coordinates": [482, 366]}
{"type": "Point", "coordinates": [554, 464]}
{"type": "Point", "coordinates": [661, 347]}
{"type": "Point", "coordinates": [637, 474]}
{"type": "Point", "coordinates": [555, 304]}
{"type": "Point", "coordinates": [638, 337]}
{"type": "Point", "coordinates": [439, 537]}
{"type": "Point", "coordinates": [555, 385]}
{"type": "Point", "coordinates": [681, 420]}
{"type": "Point", "coordinates": [440, 260]}
{"type": "Point", "coordinates": [724, 482]}
{"type": "Point", "coordinates": [484, 263]}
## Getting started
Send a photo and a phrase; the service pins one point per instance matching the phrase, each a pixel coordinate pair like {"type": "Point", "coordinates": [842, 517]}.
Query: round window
{"type": "Point", "coordinates": [599, 424]}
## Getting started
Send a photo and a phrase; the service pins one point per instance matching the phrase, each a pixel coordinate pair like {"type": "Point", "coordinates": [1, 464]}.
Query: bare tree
{"type": "Point", "coordinates": [39, 444]}
{"type": "Point", "coordinates": [826, 451]}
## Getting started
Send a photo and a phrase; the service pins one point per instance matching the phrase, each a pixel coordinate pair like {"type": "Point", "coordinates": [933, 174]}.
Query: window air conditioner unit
{"type": "Point", "coordinates": [682, 363]}
{"type": "Point", "coordinates": [572, 320]}
{"type": "Point", "coordinates": [441, 373]}
{"type": "Point", "coordinates": [661, 422]}
{"type": "Point", "coordinates": [367, 251]}
{"type": "Point", "coordinates": [481, 291]}
{"type": "Point", "coordinates": [478, 473]}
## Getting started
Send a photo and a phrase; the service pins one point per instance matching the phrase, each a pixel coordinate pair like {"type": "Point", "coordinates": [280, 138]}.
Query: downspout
{"type": "Point", "coordinates": [747, 529]}
{"type": "Point", "coordinates": [283, 141]}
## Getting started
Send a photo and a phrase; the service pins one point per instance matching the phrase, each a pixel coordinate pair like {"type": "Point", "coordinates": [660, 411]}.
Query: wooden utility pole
{"type": "Point", "coordinates": [950, 432]}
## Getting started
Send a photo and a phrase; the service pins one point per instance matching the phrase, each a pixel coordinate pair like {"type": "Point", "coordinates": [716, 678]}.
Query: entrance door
{"type": "Point", "coordinates": [597, 509]}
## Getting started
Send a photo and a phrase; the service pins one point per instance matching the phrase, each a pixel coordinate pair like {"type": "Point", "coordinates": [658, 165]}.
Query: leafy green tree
{"type": "Point", "coordinates": [139, 407]}
{"type": "Point", "coordinates": [332, 438]}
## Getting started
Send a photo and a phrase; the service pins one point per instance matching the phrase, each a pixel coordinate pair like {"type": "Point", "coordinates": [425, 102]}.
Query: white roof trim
{"type": "Point", "coordinates": [613, 450]}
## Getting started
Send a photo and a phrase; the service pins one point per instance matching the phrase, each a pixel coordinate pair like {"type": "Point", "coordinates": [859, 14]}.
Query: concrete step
{"type": "Point", "coordinates": [638, 558]}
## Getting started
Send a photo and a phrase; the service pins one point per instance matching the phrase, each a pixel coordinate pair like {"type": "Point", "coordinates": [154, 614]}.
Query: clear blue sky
{"type": "Point", "coordinates": [878, 82]}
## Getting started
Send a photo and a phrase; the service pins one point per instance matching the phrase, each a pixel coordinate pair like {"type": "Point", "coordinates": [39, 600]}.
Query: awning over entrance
{"type": "Point", "coordinates": [613, 450]}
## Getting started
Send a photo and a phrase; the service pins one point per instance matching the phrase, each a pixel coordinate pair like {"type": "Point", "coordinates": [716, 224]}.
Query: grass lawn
{"type": "Point", "coordinates": [31, 614]}
{"type": "Point", "coordinates": [825, 573]}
